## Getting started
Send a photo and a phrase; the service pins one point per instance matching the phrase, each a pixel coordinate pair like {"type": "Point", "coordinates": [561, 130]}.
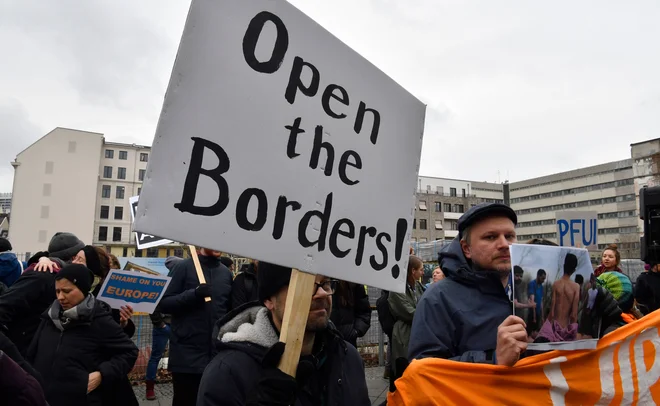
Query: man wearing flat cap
{"type": "Point", "coordinates": [467, 316]}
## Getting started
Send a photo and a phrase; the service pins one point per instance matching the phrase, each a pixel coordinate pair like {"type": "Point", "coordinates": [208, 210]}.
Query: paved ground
{"type": "Point", "coordinates": [375, 382]}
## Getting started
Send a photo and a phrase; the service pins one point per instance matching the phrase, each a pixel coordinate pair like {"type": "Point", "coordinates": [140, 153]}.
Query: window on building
{"type": "Point", "coordinates": [109, 153]}
{"type": "Point", "coordinates": [103, 233]}
{"type": "Point", "coordinates": [119, 193]}
{"type": "Point", "coordinates": [464, 195]}
{"type": "Point", "coordinates": [447, 207]}
{"type": "Point", "coordinates": [123, 155]}
{"type": "Point", "coordinates": [105, 212]}
{"type": "Point", "coordinates": [422, 205]}
{"type": "Point", "coordinates": [139, 191]}
{"type": "Point", "coordinates": [414, 224]}
{"type": "Point", "coordinates": [451, 224]}
{"type": "Point", "coordinates": [144, 157]}
{"type": "Point", "coordinates": [438, 207]}
{"type": "Point", "coordinates": [116, 233]}
{"type": "Point", "coordinates": [141, 174]}
{"type": "Point", "coordinates": [121, 173]}
{"type": "Point", "coordinates": [452, 191]}
{"type": "Point", "coordinates": [440, 190]}
{"type": "Point", "coordinates": [459, 208]}
{"type": "Point", "coordinates": [49, 167]}
{"type": "Point", "coordinates": [138, 253]}
{"type": "Point", "coordinates": [72, 147]}
{"type": "Point", "coordinates": [42, 236]}
{"type": "Point", "coordinates": [107, 172]}
{"type": "Point", "coordinates": [438, 224]}
{"type": "Point", "coordinates": [46, 189]}
{"type": "Point", "coordinates": [422, 224]}
{"type": "Point", "coordinates": [119, 213]}
{"type": "Point", "coordinates": [152, 252]}
{"type": "Point", "coordinates": [105, 191]}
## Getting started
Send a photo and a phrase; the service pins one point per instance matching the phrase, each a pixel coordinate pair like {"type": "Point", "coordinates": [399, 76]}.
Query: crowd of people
{"type": "Point", "coordinates": [61, 345]}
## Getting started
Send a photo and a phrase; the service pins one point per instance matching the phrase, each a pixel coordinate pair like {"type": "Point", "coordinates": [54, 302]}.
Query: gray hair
{"type": "Point", "coordinates": [466, 234]}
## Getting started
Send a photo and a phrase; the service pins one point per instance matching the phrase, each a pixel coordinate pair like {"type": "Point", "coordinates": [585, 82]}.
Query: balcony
{"type": "Point", "coordinates": [451, 233]}
{"type": "Point", "coordinates": [452, 216]}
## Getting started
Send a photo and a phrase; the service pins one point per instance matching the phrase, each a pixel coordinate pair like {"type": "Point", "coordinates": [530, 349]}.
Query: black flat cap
{"type": "Point", "coordinates": [484, 210]}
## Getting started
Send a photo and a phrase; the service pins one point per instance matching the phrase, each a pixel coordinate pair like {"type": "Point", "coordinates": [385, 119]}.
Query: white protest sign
{"type": "Point", "coordinates": [140, 290]}
{"type": "Point", "coordinates": [278, 142]}
{"type": "Point", "coordinates": [577, 229]}
{"type": "Point", "coordinates": [143, 240]}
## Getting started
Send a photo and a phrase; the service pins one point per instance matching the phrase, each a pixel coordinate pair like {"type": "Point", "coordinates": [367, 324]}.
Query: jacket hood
{"type": "Point", "coordinates": [456, 267]}
{"type": "Point", "coordinates": [248, 328]}
{"type": "Point", "coordinates": [101, 309]}
{"type": "Point", "coordinates": [8, 258]}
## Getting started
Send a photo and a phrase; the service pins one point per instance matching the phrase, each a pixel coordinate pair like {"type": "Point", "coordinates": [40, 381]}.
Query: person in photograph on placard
{"type": "Point", "coordinates": [565, 295]}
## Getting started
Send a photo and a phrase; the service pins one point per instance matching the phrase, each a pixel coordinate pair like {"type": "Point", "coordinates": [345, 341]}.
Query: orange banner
{"type": "Point", "coordinates": [623, 370]}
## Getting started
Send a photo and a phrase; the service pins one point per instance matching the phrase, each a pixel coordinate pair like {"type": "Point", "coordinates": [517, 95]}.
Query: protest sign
{"type": "Point", "coordinates": [143, 240]}
{"type": "Point", "coordinates": [278, 142]}
{"type": "Point", "coordinates": [624, 369]}
{"type": "Point", "coordinates": [549, 276]}
{"type": "Point", "coordinates": [577, 229]}
{"type": "Point", "coordinates": [141, 291]}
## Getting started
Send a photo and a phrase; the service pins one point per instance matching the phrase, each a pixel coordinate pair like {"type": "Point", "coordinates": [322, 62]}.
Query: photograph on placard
{"type": "Point", "coordinates": [551, 291]}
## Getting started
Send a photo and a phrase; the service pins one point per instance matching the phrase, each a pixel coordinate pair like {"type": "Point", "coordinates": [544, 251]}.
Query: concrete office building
{"type": "Point", "coordinates": [75, 181]}
{"type": "Point", "coordinates": [440, 203]}
{"type": "Point", "coordinates": [608, 189]}
{"type": "Point", "coordinates": [5, 203]}
{"type": "Point", "coordinates": [55, 184]}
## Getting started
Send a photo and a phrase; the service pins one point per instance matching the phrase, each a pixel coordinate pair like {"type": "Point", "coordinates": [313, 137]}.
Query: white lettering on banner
{"type": "Point", "coordinates": [647, 378]}
{"type": "Point", "coordinates": [626, 371]}
{"type": "Point", "coordinates": [606, 367]}
{"type": "Point", "coordinates": [558, 384]}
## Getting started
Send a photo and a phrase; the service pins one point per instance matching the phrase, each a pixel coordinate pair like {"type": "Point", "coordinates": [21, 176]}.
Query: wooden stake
{"type": "Point", "coordinates": [296, 311]}
{"type": "Point", "coordinates": [198, 268]}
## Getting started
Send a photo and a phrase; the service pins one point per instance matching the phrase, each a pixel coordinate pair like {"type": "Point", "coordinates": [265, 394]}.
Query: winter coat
{"type": "Point", "coordinates": [606, 315]}
{"type": "Point", "coordinates": [66, 358]}
{"type": "Point", "coordinates": [458, 317]}
{"type": "Point", "coordinates": [10, 350]}
{"type": "Point", "coordinates": [352, 321]}
{"type": "Point", "coordinates": [191, 344]}
{"type": "Point", "coordinates": [22, 305]}
{"type": "Point", "coordinates": [403, 306]}
{"type": "Point", "coordinates": [17, 387]}
{"type": "Point", "coordinates": [10, 268]}
{"type": "Point", "coordinates": [647, 291]}
{"type": "Point", "coordinates": [238, 365]}
{"type": "Point", "coordinates": [245, 288]}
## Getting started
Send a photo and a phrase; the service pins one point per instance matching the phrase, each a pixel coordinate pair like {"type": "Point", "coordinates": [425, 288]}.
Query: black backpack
{"type": "Point", "coordinates": [385, 316]}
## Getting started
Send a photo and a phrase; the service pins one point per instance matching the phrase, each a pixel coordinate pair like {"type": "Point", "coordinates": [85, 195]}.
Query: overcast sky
{"type": "Point", "coordinates": [516, 87]}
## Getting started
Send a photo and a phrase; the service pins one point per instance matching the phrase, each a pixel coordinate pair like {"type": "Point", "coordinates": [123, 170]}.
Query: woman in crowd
{"type": "Point", "coordinates": [79, 350]}
{"type": "Point", "coordinates": [436, 276]}
{"type": "Point", "coordinates": [97, 260]}
{"type": "Point", "coordinates": [610, 261]}
{"type": "Point", "coordinates": [351, 311]}
{"type": "Point", "coordinates": [402, 306]}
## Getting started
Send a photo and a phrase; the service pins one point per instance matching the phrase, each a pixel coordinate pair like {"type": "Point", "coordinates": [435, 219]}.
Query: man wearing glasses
{"type": "Point", "coordinates": [244, 372]}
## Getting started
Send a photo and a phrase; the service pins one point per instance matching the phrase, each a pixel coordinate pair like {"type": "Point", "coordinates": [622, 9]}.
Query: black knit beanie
{"type": "Point", "coordinates": [77, 274]}
{"type": "Point", "coordinates": [5, 245]}
{"type": "Point", "coordinates": [93, 260]}
{"type": "Point", "coordinates": [271, 279]}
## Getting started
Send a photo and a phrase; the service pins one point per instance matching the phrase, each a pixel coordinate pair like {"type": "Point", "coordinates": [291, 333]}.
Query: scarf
{"type": "Point", "coordinates": [82, 312]}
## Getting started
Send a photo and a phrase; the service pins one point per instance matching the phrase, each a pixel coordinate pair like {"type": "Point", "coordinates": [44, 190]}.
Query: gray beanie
{"type": "Point", "coordinates": [64, 246]}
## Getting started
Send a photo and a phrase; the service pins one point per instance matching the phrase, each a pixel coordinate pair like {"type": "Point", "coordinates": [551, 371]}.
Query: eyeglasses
{"type": "Point", "coordinates": [329, 286]}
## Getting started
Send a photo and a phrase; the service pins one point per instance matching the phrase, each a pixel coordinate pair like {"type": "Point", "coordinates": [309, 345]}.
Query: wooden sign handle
{"type": "Point", "coordinates": [198, 268]}
{"type": "Point", "coordinates": [296, 311]}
